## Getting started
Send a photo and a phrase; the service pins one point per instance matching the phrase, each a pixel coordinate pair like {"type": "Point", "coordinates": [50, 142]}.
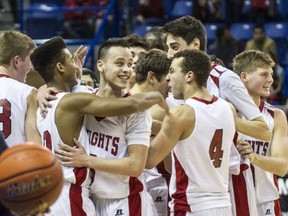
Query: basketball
{"type": "Point", "coordinates": [31, 178]}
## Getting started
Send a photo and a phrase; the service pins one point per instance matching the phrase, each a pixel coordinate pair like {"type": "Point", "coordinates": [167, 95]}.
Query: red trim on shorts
{"type": "Point", "coordinates": [75, 193]}
{"type": "Point", "coordinates": [179, 214]}
{"type": "Point", "coordinates": [135, 205]}
{"type": "Point", "coordinates": [240, 195]}
{"type": "Point", "coordinates": [135, 186]}
{"type": "Point", "coordinates": [165, 174]}
{"type": "Point", "coordinates": [180, 198]}
{"type": "Point", "coordinates": [277, 208]}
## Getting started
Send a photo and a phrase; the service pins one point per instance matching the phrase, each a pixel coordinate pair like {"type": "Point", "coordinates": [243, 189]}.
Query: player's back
{"type": "Point", "coordinates": [13, 106]}
{"type": "Point", "coordinates": [201, 161]}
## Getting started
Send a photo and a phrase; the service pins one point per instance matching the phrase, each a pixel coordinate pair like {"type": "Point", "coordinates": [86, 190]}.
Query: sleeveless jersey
{"type": "Point", "coordinates": [74, 199]}
{"type": "Point", "coordinates": [200, 171]}
{"type": "Point", "coordinates": [13, 107]}
{"type": "Point", "coordinates": [109, 138]}
{"type": "Point", "coordinates": [266, 187]}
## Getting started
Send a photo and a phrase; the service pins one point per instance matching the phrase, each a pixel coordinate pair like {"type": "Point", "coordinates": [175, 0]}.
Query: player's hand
{"type": "Point", "coordinates": [72, 156]}
{"type": "Point", "coordinates": [45, 95]}
{"type": "Point", "coordinates": [79, 58]}
{"type": "Point", "coordinates": [246, 150]}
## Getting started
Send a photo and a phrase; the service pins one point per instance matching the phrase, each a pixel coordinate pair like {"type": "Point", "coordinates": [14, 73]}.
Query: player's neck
{"type": "Point", "coordinates": [138, 88]}
{"type": "Point", "coordinates": [106, 90]}
{"type": "Point", "coordinates": [5, 71]}
{"type": "Point", "coordinates": [60, 86]}
{"type": "Point", "coordinates": [198, 93]}
{"type": "Point", "coordinates": [256, 99]}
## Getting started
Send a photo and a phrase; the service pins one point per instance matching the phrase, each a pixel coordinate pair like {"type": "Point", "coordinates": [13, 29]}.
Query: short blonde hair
{"type": "Point", "coordinates": [13, 43]}
{"type": "Point", "coordinates": [249, 60]}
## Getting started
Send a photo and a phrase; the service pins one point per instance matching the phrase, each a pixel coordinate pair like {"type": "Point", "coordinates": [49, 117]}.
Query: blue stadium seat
{"type": "Point", "coordinates": [211, 30]}
{"type": "Point", "coordinates": [282, 7]}
{"type": "Point", "coordinates": [182, 8]}
{"type": "Point", "coordinates": [246, 9]}
{"type": "Point", "coordinates": [141, 30]}
{"type": "Point", "coordinates": [279, 32]}
{"type": "Point", "coordinates": [48, 2]}
{"type": "Point", "coordinates": [242, 31]}
{"type": "Point", "coordinates": [44, 22]}
{"type": "Point", "coordinates": [276, 30]}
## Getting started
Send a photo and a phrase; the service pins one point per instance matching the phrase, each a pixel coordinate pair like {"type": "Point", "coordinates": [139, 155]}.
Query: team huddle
{"type": "Point", "coordinates": [165, 133]}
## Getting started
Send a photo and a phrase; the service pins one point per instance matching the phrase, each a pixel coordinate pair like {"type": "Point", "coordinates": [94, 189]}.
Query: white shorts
{"type": "Point", "coordinates": [73, 201]}
{"type": "Point", "coordinates": [158, 190]}
{"type": "Point", "coordinates": [136, 205]}
{"type": "Point", "coordinates": [222, 211]}
{"type": "Point", "coordinates": [269, 208]}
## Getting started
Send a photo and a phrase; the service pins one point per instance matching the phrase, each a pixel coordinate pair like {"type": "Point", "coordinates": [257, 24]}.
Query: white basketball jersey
{"type": "Point", "coordinates": [200, 171]}
{"type": "Point", "coordinates": [74, 198]}
{"type": "Point", "coordinates": [51, 138]}
{"type": "Point", "coordinates": [265, 182]}
{"type": "Point", "coordinates": [13, 106]}
{"type": "Point", "coordinates": [213, 79]}
{"type": "Point", "coordinates": [109, 138]}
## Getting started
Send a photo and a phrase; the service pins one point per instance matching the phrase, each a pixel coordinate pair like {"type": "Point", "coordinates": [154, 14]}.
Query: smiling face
{"type": "Point", "coordinates": [176, 78]}
{"type": "Point", "coordinates": [115, 68]}
{"type": "Point", "coordinates": [259, 82]}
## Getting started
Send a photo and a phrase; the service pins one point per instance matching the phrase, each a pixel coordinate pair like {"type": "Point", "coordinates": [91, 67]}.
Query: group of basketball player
{"type": "Point", "coordinates": [223, 157]}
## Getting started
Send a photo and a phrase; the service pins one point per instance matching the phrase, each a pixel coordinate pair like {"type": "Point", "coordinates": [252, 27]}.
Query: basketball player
{"type": "Point", "coordinates": [200, 140]}
{"type": "Point", "coordinates": [189, 33]}
{"type": "Point", "coordinates": [267, 158]}
{"type": "Point", "coordinates": [66, 119]}
{"type": "Point", "coordinates": [151, 70]}
{"type": "Point", "coordinates": [137, 45]}
{"type": "Point", "coordinates": [120, 143]}
{"type": "Point", "coordinates": [17, 100]}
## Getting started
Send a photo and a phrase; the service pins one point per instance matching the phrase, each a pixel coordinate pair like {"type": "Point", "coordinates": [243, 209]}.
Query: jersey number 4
{"type": "Point", "coordinates": [215, 149]}
{"type": "Point", "coordinates": [5, 120]}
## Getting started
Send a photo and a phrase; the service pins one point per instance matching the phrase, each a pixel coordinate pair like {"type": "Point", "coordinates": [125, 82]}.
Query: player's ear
{"type": "Point", "coordinates": [189, 76]}
{"type": "Point", "coordinates": [243, 76]}
{"type": "Point", "coordinates": [60, 66]}
{"type": "Point", "coordinates": [151, 77]}
{"type": "Point", "coordinates": [100, 66]}
{"type": "Point", "coordinates": [195, 44]}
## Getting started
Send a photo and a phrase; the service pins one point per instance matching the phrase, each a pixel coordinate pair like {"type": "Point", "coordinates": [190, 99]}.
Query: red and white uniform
{"type": "Point", "coordinates": [157, 182]}
{"type": "Point", "coordinates": [13, 106]}
{"type": "Point", "coordinates": [74, 199]}
{"type": "Point", "coordinates": [200, 171]}
{"type": "Point", "coordinates": [266, 187]}
{"type": "Point", "coordinates": [109, 138]}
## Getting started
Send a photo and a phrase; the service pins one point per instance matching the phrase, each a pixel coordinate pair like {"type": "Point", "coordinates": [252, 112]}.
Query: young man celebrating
{"type": "Point", "coordinates": [200, 140]}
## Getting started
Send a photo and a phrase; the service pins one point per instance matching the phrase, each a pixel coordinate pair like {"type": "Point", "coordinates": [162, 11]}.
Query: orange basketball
{"type": "Point", "coordinates": [31, 178]}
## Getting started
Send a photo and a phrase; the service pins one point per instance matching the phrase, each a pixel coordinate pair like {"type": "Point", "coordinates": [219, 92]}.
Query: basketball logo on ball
{"type": "Point", "coordinates": [31, 178]}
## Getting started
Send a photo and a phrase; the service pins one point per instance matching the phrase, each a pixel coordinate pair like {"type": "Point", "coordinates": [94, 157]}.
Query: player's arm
{"type": "Point", "coordinates": [103, 106]}
{"type": "Point", "coordinates": [30, 127]}
{"type": "Point", "coordinates": [277, 163]}
{"type": "Point", "coordinates": [245, 126]}
{"type": "Point", "coordinates": [137, 136]}
{"type": "Point", "coordinates": [233, 90]}
{"type": "Point", "coordinates": [176, 126]}
{"type": "Point", "coordinates": [132, 165]}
